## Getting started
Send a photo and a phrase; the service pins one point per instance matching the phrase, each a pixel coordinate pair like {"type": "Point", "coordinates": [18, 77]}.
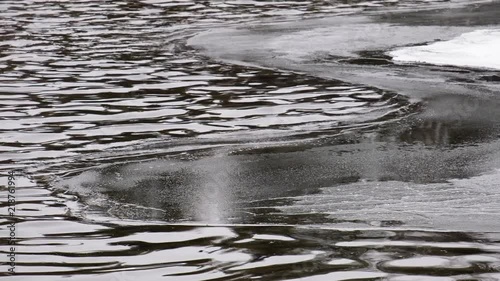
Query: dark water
{"type": "Point", "coordinates": [142, 151]}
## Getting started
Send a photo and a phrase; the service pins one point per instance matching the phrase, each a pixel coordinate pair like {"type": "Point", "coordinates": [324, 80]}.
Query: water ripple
{"type": "Point", "coordinates": [86, 83]}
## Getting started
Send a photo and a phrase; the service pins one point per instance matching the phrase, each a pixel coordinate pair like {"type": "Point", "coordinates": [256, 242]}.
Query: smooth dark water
{"type": "Point", "coordinates": [196, 140]}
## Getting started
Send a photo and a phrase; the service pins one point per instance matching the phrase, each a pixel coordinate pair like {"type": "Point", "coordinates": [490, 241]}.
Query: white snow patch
{"type": "Point", "coordinates": [478, 49]}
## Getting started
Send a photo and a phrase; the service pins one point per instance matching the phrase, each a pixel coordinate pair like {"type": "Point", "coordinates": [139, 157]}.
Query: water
{"type": "Point", "coordinates": [242, 140]}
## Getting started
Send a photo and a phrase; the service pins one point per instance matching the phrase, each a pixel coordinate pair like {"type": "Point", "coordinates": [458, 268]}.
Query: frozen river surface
{"type": "Point", "coordinates": [251, 140]}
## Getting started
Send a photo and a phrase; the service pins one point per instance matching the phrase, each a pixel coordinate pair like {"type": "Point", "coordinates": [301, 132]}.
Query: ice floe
{"type": "Point", "coordinates": [478, 49]}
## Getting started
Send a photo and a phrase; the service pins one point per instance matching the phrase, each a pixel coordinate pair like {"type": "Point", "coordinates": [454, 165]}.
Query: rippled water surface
{"type": "Point", "coordinates": [232, 140]}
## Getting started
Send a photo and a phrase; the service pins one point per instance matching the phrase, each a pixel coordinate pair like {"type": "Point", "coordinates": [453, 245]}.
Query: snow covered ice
{"type": "Point", "coordinates": [477, 49]}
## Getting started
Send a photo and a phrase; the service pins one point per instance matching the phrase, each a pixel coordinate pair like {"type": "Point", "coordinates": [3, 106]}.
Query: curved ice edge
{"type": "Point", "coordinates": [295, 46]}
{"type": "Point", "coordinates": [476, 49]}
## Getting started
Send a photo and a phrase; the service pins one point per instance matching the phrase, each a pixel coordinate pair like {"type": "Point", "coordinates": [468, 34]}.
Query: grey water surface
{"type": "Point", "coordinates": [246, 140]}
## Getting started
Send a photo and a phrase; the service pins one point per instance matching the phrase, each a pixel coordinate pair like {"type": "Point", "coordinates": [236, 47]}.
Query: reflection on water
{"type": "Point", "coordinates": [427, 160]}
{"type": "Point", "coordinates": [140, 158]}
{"type": "Point", "coordinates": [51, 241]}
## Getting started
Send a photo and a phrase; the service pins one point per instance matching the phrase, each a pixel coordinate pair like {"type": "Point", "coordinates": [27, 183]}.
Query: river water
{"type": "Point", "coordinates": [248, 140]}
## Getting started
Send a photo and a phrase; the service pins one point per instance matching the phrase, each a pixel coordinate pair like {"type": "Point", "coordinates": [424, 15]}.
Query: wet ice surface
{"type": "Point", "coordinates": [355, 52]}
{"type": "Point", "coordinates": [148, 159]}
